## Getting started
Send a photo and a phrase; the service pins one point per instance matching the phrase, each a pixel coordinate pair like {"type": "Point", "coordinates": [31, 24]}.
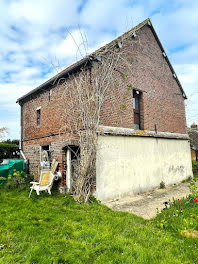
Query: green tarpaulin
{"type": "Point", "coordinates": [7, 169]}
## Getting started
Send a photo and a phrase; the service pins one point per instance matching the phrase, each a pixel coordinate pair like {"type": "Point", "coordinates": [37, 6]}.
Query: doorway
{"type": "Point", "coordinates": [71, 161]}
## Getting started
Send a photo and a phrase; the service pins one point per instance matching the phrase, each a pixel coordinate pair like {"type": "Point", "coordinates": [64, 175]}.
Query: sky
{"type": "Point", "coordinates": [38, 38]}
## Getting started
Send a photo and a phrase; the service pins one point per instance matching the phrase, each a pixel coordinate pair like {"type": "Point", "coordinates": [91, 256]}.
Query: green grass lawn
{"type": "Point", "coordinates": [54, 229]}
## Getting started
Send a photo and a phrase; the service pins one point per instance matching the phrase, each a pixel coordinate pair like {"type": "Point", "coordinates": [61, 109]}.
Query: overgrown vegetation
{"type": "Point", "coordinates": [17, 180]}
{"type": "Point", "coordinates": [182, 214]}
{"type": "Point", "coordinates": [55, 229]}
{"type": "Point", "coordinates": [85, 96]}
{"type": "Point", "coordinates": [195, 168]}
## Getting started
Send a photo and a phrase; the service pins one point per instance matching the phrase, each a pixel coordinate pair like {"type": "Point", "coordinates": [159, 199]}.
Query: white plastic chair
{"type": "Point", "coordinates": [45, 182]}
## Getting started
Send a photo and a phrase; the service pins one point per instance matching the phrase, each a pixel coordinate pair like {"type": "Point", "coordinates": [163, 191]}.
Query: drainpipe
{"type": "Point", "coordinates": [21, 140]}
{"type": "Point", "coordinates": [23, 155]}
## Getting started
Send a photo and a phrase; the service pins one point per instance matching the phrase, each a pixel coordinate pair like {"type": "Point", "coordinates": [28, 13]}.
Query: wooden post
{"type": "Point", "coordinates": [68, 174]}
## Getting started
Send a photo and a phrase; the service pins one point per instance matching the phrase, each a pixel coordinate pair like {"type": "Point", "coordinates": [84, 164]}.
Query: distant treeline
{"type": "Point", "coordinates": [9, 149]}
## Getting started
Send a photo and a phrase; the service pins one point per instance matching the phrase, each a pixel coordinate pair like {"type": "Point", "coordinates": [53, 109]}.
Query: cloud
{"type": "Point", "coordinates": [177, 24]}
{"type": "Point", "coordinates": [186, 55]}
{"type": "Point", "coordinates": [112, 15]}
{"type": "Point", "coordinates": [35, 40]}
{"type": "Point", "coordinates": [47, 14]}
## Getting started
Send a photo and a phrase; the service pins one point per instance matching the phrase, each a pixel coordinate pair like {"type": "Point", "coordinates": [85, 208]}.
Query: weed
{"type": "Point", "coordinates": [162, 185]}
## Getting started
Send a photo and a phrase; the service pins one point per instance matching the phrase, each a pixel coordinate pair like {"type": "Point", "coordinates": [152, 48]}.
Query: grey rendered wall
{"type": "Point", "coordinates": [128, 165]}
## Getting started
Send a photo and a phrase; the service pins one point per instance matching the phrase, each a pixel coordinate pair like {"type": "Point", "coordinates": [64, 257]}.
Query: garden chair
{"type": "Point", "coordinates": [45, 183]}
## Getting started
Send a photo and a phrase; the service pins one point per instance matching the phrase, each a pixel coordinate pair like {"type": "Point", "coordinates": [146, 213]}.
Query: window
{"type": "Point", "coordinates": [45, 155]}
{"type": "Point", "coordinates": [47, 149]}
{"type": "Point", "coordinates": [136, 109]}
{"type": "Point", "coordinates": [38, 117]}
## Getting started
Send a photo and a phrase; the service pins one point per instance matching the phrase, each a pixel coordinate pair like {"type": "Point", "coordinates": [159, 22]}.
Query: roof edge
{"type": "Point", "coordinates": [79, 63]}
{"type": "Point", "coordinates": [53, 80]}
{"type": "Point", "coordinates": [166, 57]}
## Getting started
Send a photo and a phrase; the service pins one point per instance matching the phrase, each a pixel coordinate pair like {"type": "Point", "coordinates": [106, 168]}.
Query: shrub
{"type": "Point", "coordinates": [195, 164]}
{"type": "Point", "coordinates": [195, 167]}
{"type": "Point", "coordinates": [3, 179]}
{"type": "Point", "coordinates": [19, 180]}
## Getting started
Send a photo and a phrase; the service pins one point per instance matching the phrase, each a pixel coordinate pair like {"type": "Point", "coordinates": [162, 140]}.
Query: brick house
{"type": "Point", "coordinates": [193, 135]}
{"type": "Point", "coordinates": [149, 145]}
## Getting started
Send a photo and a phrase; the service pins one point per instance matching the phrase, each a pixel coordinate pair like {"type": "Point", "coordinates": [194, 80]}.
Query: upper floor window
{"type": "Point", "coordinates": [136, 109]}
{"type": "Point", "coordinates": [38, 117]}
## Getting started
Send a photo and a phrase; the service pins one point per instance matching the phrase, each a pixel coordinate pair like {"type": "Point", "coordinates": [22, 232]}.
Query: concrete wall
{"type": "Point", "coordinates": [128, 165]}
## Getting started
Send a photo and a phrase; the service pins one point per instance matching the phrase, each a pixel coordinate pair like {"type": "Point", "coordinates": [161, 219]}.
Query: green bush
{"type": "Point", "coordinates": [19, 180]}
{"type": "Point", "coordinates": [195, 164]}
{"type": "Point", "coordinates": [195, 167]}
{"type": "Point", "coordinates": [8, 151]}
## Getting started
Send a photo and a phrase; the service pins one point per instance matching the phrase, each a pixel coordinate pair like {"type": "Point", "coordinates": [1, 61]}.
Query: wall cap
{"type": "Point", "coordinates": [121, 131]}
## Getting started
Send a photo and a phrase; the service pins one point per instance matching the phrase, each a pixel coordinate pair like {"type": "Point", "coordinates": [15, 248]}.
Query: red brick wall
{"type": "Point", "coordinates": [57, 144]}
{"type": "Point", "coordinates": [162, 103]}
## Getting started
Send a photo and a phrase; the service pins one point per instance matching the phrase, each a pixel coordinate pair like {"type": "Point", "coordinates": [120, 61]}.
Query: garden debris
{"type": "Point", "coordinates": [189, 233]}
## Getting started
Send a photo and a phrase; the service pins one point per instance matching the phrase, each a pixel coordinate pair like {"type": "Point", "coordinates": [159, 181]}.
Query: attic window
{"type": "Point", "coordinates": [38, 117]}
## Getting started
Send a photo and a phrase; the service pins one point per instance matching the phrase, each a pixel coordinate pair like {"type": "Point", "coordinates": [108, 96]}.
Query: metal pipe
{"type": "Point", "coordinates": [23, 155]}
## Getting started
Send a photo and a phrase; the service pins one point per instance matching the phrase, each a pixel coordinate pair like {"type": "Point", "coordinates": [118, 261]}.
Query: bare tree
{"type": "Point", "coordinates": [84, 95]}
{"type": "Point", "coordinates": [3, 133]}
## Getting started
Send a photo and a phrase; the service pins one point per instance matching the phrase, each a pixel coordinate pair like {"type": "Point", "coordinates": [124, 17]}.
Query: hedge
{"type": "Point", "coordinates": [8, 151]}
